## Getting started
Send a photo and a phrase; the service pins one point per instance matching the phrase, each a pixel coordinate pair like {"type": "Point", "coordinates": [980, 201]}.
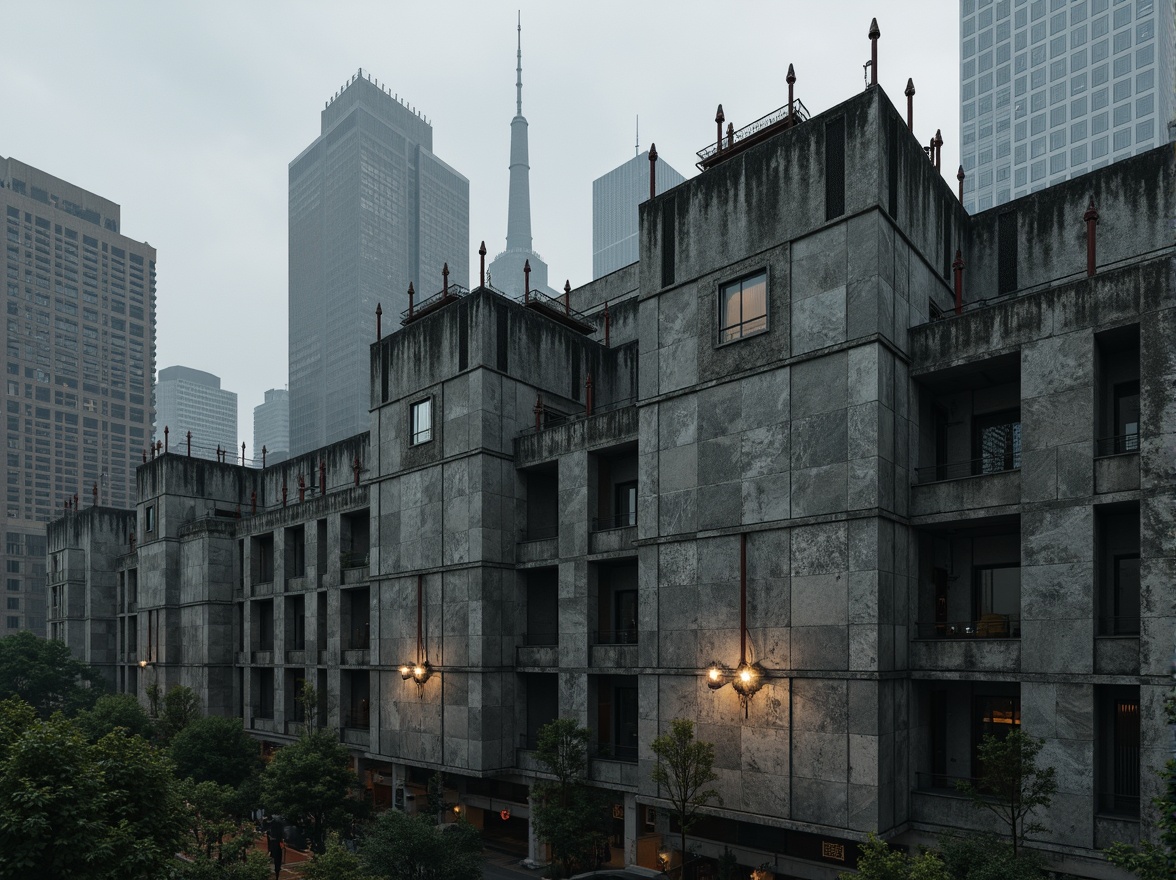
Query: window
{"type": "Point", "coordinates": [996, 441]}
{"type": "Point", "coordinates": [743, 307]}
{"type": "Point", "coordinates": [998, 600]}
{"type": "Point", "coordinates": [626, 503]}
{"type": "Point", "coordinates": [995, 716]}
{"type": "Point", "coordinates": [1126, 401]}
{"type": "Point", "coordinates": [422, 421]}
{"type": "Point", "coordinates": [13, 622]}
{"type": "Point", "coordinates": [1118, 744]}
{"type": "Point", "coordinates": [149, 517]}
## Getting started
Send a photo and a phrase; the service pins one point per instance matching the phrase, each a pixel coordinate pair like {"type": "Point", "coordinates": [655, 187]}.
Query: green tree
{"type": "Point", "coordinates": [569, 815]}
{"type": "Point", "coordinates": [215, 749]}
{"type": "Point", "coordinates": [879, 862]}
{"type": "Point", "coordinates": [310, 781]}
{"type": "Point", "coordinates": [181, 706]}
{"type": "Point", "coordinates": [45, 675]}
{"type": "Point", "coordinates": [113, 711]}
{"type": "Point", "coordinates": [88, 811]}
{"type": "Point", "coordinates": [403, 847]}
{"type": "Point", "coordinates": [335, 863]}
{"type": "Point", "coordinates": [988, 857]}
{"type": "Point", "coordinates": [1011, 785]}
{"type": "Point", "coordinates": [217, 842]}
{"type": "Point", "coordinates": [1148, 860]}
{"type": "Point", "coordinates": [685, 769]}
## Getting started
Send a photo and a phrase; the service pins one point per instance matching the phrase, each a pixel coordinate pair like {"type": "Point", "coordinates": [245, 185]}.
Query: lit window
{"type": "Point", "coordinates": [422, 422]}
{"type": "Point", "coordinates": [743, 307]}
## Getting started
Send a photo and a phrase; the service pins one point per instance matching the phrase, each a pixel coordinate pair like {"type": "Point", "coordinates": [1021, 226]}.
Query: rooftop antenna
{"type": "Point", "coordinates": [519, 71]}
{"type": "Point", "coordinates": [637, 141]}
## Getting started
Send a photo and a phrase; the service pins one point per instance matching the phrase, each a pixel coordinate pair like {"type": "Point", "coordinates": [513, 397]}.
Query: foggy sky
{"type": "Point", "coordinates": [188, 115]}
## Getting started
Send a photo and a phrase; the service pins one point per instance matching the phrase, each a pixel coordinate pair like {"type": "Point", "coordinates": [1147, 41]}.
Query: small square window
{"type": "Point", "coordinates": [743, 307]}
{"type": "Point", "coordinates": [422, 421]}
{"type": "Point", "coordinates": [149, 518]}
{"type": "Point", "coordinates": [14, 622]}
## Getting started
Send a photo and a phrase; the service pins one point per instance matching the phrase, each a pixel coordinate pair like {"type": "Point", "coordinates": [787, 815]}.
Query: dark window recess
{"type": "Point", "coordinates": [835, 168]}
{"type": "Point", "coordinates": [1006, 252]}
{"type": "Point", "coordinates": [502, 340]}
{"type": "Point", "coordinates": [669, 231]}
{"type": "Point", "coordinates": [626, 503]}
{"type": "Point", "coordinates": [1126, 398]}
{"type": "Point", "coordinates": [996, 442]}
{"type": "Point", "coordinates": [892, 166]}
{"type": "Point", "coordinates": [463, 339]}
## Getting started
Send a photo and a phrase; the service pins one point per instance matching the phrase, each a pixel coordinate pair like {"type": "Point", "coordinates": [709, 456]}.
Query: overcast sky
{"type": "Point", "coordinates": [188, 115]}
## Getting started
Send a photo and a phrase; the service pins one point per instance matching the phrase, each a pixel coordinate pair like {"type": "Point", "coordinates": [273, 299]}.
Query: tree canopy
{"type": "Point", "coordinates": [45, 675]}
{"type": "Point", "coordinates": [215, 749]}
{"type": "Point", "coordinates": [685, 769]}
{"type": "Point", "coordinates": [568, 814]}
{"type": "Point", "coordinates": [310, 781]}
{"type": "Point", "coordinates": [403, 847]}
{"type": "Point", "coordinates": [112, 711]}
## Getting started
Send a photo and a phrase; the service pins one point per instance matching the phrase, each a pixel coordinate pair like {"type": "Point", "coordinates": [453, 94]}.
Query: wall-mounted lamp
{"type": "Point", "coordinates": [419, 670]}
{"type": "Point", "coordinates": [747, 678]}
{"type": "Point", "coordinates": [663, 860]}
{"type": "Point", "coordinates": [457, 809]}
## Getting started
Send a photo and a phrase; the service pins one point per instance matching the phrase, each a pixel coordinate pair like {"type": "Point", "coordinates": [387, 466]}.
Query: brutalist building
{"type": "Point", "coordinates": [845, 475]}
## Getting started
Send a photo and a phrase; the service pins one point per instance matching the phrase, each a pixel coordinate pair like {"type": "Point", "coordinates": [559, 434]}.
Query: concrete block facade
{"type": "Point", "coordinates": [937, 522]}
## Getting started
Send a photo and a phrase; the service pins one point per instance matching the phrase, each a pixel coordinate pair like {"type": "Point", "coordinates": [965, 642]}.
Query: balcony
{"type": "Point", "coordinates": [613, 649]}
{"type": "Point", "coordinates": [1116, 464]}
{"type": "Point", "coordinates": [540, 652]}
{"type": "Point", "coordinates": [966, 485]}
{"type": "Point", "coordinates": [613, 533]}
{"type": "Point", "coordinates": [982, 645]}
{"type": "Point", "coordinates": [539, 545]}
{"type": "Point", "coordinates": [753, 133]}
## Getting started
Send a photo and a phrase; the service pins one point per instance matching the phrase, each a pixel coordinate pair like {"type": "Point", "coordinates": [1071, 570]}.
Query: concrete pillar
{"type": "Point", "coordinates": [631, 826]}
{"type": "Point", "coordinates": [535, 854]}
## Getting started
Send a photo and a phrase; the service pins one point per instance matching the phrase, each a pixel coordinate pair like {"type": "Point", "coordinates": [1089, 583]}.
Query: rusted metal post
{"type": "Point", "coordinates": [322, 476]}
{"type": "Point", "coordinates": [189, 444]}
{"type": "Point", "coordinates": [263, 451]}
{"type": "Point", "coordinates": [937, 142]}
{"type": "Point", "coordinates": [444, 280]}
{"type": "Point", "coordinates": [958, 266]}
{"type": "Point", "coordinates": [242, 453]}
{"type": "Point", "coordinates": [132, 540]}
{"type": "Point", "coordinates": [482, 265]}
{"type": "Point", "coordinates": [960, 177]}
{"type": "Point", "coordinates": [283, 490]}
{"type": "Point", "coordinates": [165, 440]}
{"type": "Point", "coordinates": [588, 395]}
{"type": "Point", "coordinates": [567, 297]}
{"type": "Point", "coordinates": [355, 468]}
{"type": "Point", "coordinates": [144, 451]}
{"type": "Point", "coordinates": [410, 298]}
{"type": "Point", "coordinates": [875, 33]}
{"type": "Point", "coordinates": [538, 410]}
{"type": "Point", "coordinates": [910, 96]}
{"type": "Point", "coordinates": [301, 488]}
{"type": "Point", "coordinates": [1091, 218]}
{"type": "Point", "coordinates": [379, 316]}
{"type": "Point", "coordinates": [606, 323]}
{"type": "Point", "coordinates": [652, 170]}
{"type": "Point", "coordinates": [719, 120]}
{"type": "Point", "coordinates": [730, 135]}
{"type": "Point", "coordinates": [253, 502]}
{"type": "Point", "coordinates": [76, 502]}
{"type": "Point", "coordinates": [527, 281]}
{"type": "Point", "coordinates": [791, 80]}
{"type": "Point", "coordinates": [218, 454]}
{"type": "Point", "coordinates": [95, 490]}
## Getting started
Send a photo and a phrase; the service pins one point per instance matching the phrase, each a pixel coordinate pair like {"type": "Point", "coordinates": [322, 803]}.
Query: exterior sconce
{"type": "Point", "coordinates": [457, 809]}
{"type": "Point", "coordinates": [716, 676]}
{"type": "Point", "coordinates": [749, 678]}
{"type": "Point", "coordinates": [142, 664]}
{"type": "Point", "coordinates": [406, 671]}
{"type": "Point", "coordinates": [663, 860]}
{"type": "Point", "coordinates": [421, 672]}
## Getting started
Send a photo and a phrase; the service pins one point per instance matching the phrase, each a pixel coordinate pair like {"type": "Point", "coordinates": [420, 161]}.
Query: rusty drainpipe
{"type": "Point", "coordinates": [253, 503]}
{"type": "Point", "coordinates": [263, 451]}
{"type": "Point", "coordinates": [410, 296]}
{"type": "Point", "coordinates": [355, 467]}
{"type": "Point", "coordinates": [379, 321]}
{"type": "Point", "coordinates": [301, 488]}
{"type": "Point", "coordinates": [76, 502]}
{"type": "Point", "coordinates": [958, 266]}
{"type": "Point", "coordinates": [95, 494]}
{"type": "Point", "coordinates": [652, 170]}
{"type": "Point", "coordinates": [283, 490]}
{"type": "Point", "coordinates": [960, 177]}
{"type": "Point", "coordinates": [588, 395]}
{"type": "Point", "coordinates": [719, 120]}
{"type": "Point", "coordinates": [606, 323]}
{"type": "Point", "coordinates": [1091, 218]}
{"type": "Point", "coordinates": [144, 451]}
{"type": "Point", "coordinates": [527, 281]}
{"type": "Point", "coordinates": [874, 34]}
{"type": "Point", "coordinates": [165, 433]}
{"type": "Point", "coordinates": [482, 265]}
{"type": "Point", "coordinates": [322, 476]}
{"type": "Point", "coordinates": [910, 96]}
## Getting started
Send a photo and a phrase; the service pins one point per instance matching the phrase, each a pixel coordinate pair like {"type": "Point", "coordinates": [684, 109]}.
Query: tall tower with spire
{"type": "Point", "coordinates": [506, 269]}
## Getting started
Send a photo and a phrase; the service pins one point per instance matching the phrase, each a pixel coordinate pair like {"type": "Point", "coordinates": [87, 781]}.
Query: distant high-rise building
{"type": "Point", "coordinates": [193, 400]}
{"type": "Point", "coordinates": [80, 362]}
{"type": "Point", "coordinates": [1050, 92]}
{"type": "Point", "coordinates": [615, 197]}
{"type": "Point", "coordinates": [371, 209]}
{"type": "Point", "coordinates": [271, 425]}
{"type": "Point", "coordinates": [507, 269]}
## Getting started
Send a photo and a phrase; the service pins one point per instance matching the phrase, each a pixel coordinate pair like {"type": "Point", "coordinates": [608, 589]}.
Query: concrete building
{"type": "Point", "coordinates": [372, 209]}
{"type": "Point", "coordinates": [615, 197]}
{"type": "Point", "coordinates": [1049, 92]}
{"type": "Point", "coordinates": [912, 516]}
{"type": "Point", "coordinates": [79, 368]}
{"type": "Point", "coordinates": [507, 270]}
{"type": "Point", "coordinates": [192, 400]}
{"type": "Point", "coordinates": [271, 425]}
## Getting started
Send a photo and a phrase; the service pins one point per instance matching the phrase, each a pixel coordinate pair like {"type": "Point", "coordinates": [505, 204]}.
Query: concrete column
{"type": "Point", "coordinates": [631, 825]}
{"type": "Point", "coordinates": [534, 847]}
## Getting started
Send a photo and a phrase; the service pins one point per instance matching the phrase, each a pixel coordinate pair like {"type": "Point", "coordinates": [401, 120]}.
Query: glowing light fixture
{"type": "Point", "coordinates": [747, 678]}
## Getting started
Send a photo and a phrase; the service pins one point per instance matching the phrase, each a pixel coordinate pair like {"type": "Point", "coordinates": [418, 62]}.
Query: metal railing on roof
{"type": "Point", "coordinates": [558, 309]}
{"type": "Point", "coordinates": [448, 294]}
{"type": "Point", "coordinates": [752, 133]}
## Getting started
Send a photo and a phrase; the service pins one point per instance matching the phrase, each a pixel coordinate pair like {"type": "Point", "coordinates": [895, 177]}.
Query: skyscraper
{"type": "Point", "coordinates": [371, 209]}
{"type": "Point", "coordinates": [192, 400]}
{"type": "Point", "coordinates": [615, 197]}
{"type": "Point", "coordinates": [506, 269]}
{"type": "Point", "coordinates": [271, 425]}
{"type": "Point", "coordinates": [1051, 91]}
{"type": "Point", "coordinates": [79, 367]}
